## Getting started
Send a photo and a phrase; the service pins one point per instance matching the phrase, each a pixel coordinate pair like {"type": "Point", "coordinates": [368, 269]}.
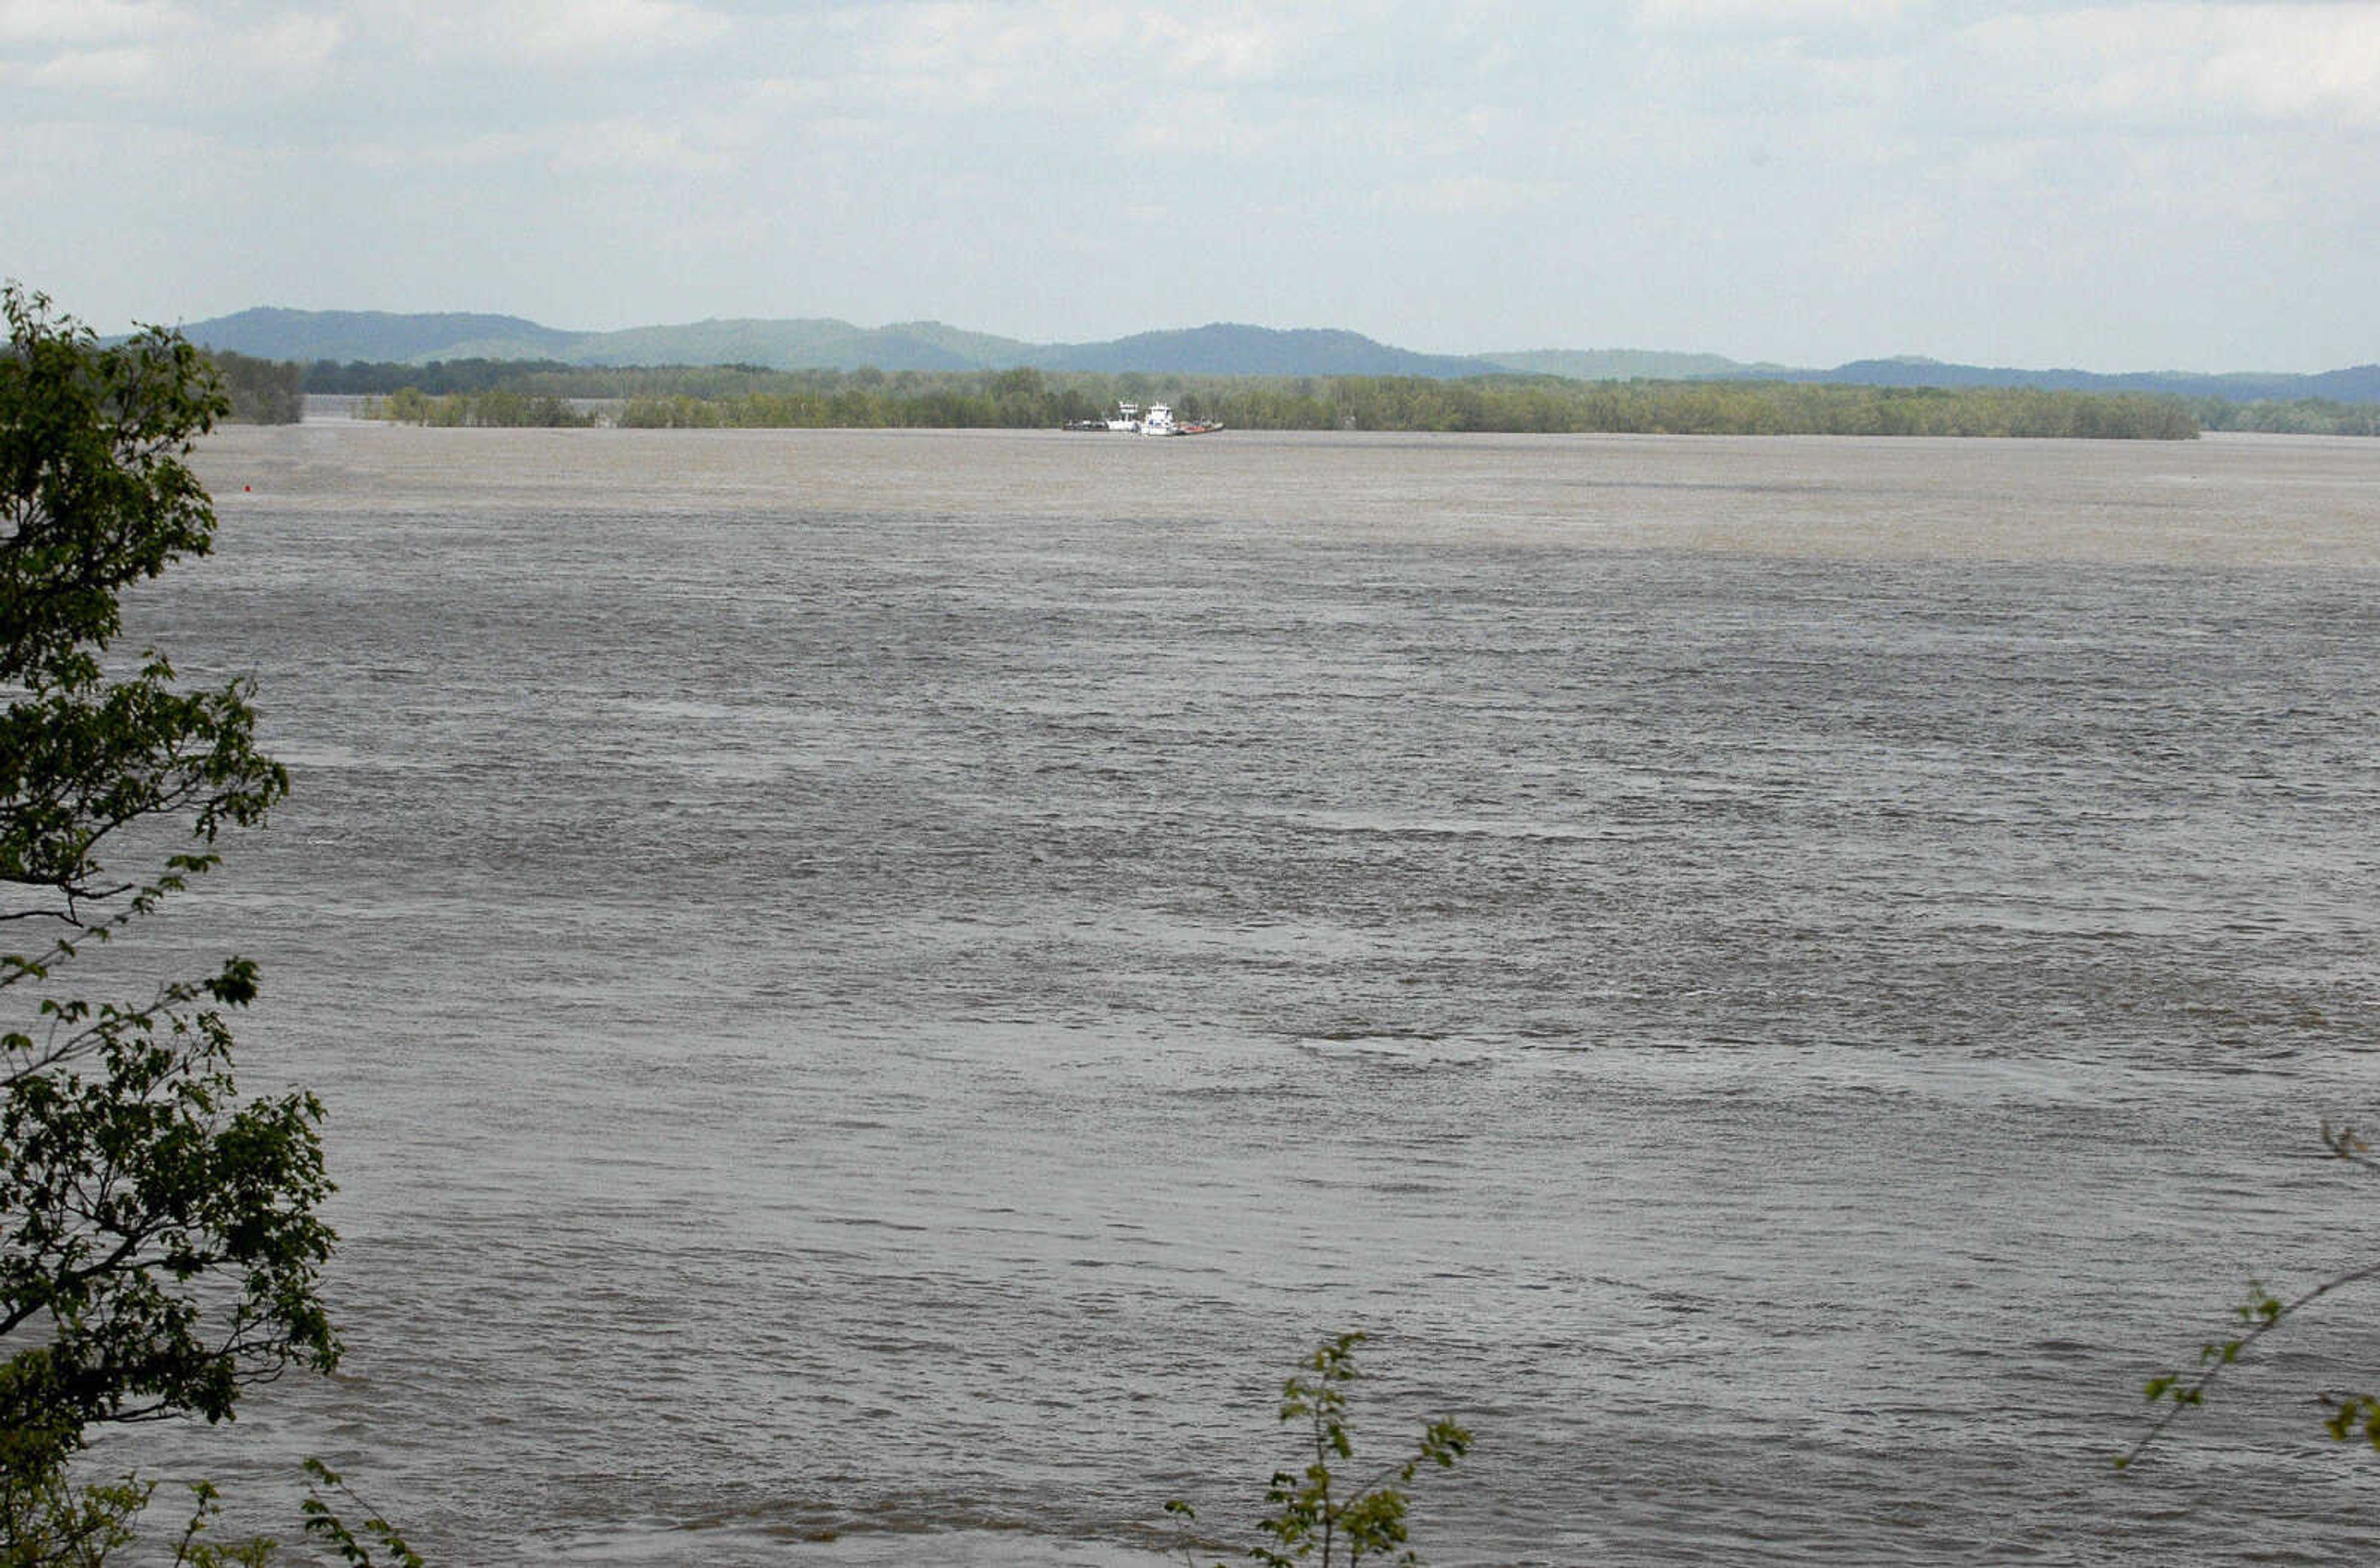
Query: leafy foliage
{"type": "Point", "coordinates": [45, 1521]}
{"type": "Point", "coordinates": [324, 1523]}
{"type": "Point", "coordinates": [195, 1551]}
{"type": "Point", "coordinates": [160, 1245]}
{"type": "Point", "coordinates": [2353, 1415]}
{"type": "Point", "coordinates": [1319, 1517]}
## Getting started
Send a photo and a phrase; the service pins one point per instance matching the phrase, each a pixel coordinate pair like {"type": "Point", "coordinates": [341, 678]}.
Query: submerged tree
{"type": "Point", "coordinates": [160, 1244]}
{"type": "Point", "coordinates": [263, 392]}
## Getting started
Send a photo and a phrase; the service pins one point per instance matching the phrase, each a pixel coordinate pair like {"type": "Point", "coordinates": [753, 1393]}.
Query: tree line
{"type": "Point", "coordinates": [2290, 416]}
{"type": "Point", "coordinates": [748, 397]}
{"type": "Point", "coordinates": [516, 393]}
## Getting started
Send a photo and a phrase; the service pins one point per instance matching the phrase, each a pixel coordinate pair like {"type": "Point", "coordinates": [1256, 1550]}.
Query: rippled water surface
{"type": "Point", "coordinates": [883, 986]}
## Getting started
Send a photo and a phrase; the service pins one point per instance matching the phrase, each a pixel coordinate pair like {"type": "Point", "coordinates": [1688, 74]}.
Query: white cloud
{"type": "Point", "coordinates": [80, 23]}
{"type": "Point", "coordinates": [640, 147]}
{"type": "Point", "coordinates": [2151, 65]}
{"type": "Point", "coordinates": [1478, 195]}
{"type": "Point", "coordinates": [96, 71]}
{"type": "Point", "coordinates": [1208, 125]}
{"type": "Point", "coordinates": [162, 57]}
{"type": "Point", "coordinates": [465, 32]}
{"type": "Point", "coordinates": [1708, 172]}
{"type": "Point", "coordinates": [280, 55]}
{"type": "Point", "coordinates": [77, 47]}
{"type": "Point", "coordinates": [601, 149]}
{"type": "Point", "coordinates": [1766, 16]}
{"type": "Point", "coordinates": [1205, 47]}
{"type": "Point", "coordinates": [1061, 55]}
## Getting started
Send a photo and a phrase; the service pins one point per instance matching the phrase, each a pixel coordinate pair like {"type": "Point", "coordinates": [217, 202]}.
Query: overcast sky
{"type": "Point", "coordinates": [2115, 187]}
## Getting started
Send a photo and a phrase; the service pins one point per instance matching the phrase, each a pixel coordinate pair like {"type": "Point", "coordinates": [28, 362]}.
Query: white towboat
{"type": "Point", "coordinates": [1130, 418]}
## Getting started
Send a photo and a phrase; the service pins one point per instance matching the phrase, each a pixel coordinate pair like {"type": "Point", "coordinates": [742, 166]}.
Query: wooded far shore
{"type": "Point", "coordinates": [515, 393]}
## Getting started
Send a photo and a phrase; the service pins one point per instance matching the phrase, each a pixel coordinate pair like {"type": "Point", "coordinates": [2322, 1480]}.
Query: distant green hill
{"type": "Point", "coordinates": [1219, 349]}
{"type": "Point", "coordinates": [1624, 364]}
{"type": "Point", "coordinates": [1225, 349]}
{"type": "Point", "coordinates": [817, 344]}
{"type": "Point", "coordinates": [270, 334]}
{"type": "Point", "coordinates": [814, 344]}
{"type": "Point", "coordinates": [820, 344]}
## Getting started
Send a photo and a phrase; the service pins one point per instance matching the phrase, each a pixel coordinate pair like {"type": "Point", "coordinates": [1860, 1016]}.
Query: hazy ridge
{"type": "Point", "coordinates": [1218, 348]}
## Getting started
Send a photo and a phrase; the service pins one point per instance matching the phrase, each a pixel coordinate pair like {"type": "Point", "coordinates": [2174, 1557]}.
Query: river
{"type": "Point", "coordinates": [876, 989]}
